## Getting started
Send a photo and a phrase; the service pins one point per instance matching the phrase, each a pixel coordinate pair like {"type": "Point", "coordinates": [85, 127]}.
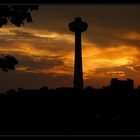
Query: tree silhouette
{"type": "Point", "coordinates": [8, 62]}
{"type": "Point", "coordinates": [16, 14]}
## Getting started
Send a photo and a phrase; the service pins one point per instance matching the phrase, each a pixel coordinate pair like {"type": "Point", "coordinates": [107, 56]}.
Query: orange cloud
{"type": "Point", "coordinates": [134, 68]}
{"type": "Point", "coordinates": [94, 56]}
{"type": "Point", "coordinates": [116, 73]}
{"type": "Point", "coordinates": [131, 36]}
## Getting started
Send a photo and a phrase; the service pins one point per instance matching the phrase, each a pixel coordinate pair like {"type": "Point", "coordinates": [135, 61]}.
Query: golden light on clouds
{"type": "Point", "coordinates": [116, 73]}
{"type": "Point", "coordinates": [132, 36]}
{"type": "Point", "coordinates": [95, 57]}
{"type": "Point", "coordinates": [59, 37]}
{"type": "Point", "coordinates": [24, 49]}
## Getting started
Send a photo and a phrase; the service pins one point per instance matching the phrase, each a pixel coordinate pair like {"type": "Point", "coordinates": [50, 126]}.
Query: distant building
{"type": "Point", "coordinates": [122, 84]}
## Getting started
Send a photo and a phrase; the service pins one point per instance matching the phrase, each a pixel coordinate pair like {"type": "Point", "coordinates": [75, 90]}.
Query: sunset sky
{"type": "Point", "coordinates": [45, 48]}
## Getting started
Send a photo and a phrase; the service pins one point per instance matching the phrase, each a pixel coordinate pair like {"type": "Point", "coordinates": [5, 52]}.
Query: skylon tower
{"type": "Point", "coordinates": [78, 26]}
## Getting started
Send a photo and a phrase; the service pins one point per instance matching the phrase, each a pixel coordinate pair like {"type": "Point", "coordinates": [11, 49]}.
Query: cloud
{"type": "Point", "coordinates": [109, 72]}
{"type": "Point", "coordinates": [20, 79]}
{"type": "Point", "coordinates": [40, 40]}
{"type": "Point", "coordinates": [20, 33]}
{"type": "Point", "coordinates": [105, 22]}
{"type": "Point", "coordinates": [114, 17]}
{"type": "Point", "coordinates": [42, 63]}
{"type": "Point", "coordinates": [116, 73]}
{"type": "Point", "coordinates": [134, 68]}
{"type": "Point", "coordinates": [137, 68]}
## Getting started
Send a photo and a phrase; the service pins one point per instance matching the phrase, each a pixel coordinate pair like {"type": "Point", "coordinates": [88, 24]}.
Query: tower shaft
{"type": "Point", "coordinates": [78, 26]}
{"type": "Point", "coordinates": [78, 71]}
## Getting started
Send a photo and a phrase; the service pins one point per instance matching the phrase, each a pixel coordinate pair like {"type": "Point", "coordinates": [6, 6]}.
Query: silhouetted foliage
{"type": "Point", "coordinates": [16, 14]}
{"type": "Point", "coordinates": [8, 62]}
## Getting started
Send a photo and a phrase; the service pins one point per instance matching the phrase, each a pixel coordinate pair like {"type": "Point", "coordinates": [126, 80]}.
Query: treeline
{"type": "Point", "coordinates": [63, 110]}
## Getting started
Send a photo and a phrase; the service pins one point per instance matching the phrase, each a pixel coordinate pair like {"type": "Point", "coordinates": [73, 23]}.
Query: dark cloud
{"type": "Point", "coordinates": [130, 71]}
{"type": "Point", "coordinates": [105, 22]}
{"type": "Point", "coordinates": [43, 43]}
{"type": "Point", "coordinates": [38, 62]}
{"type": "Point", "coordinates": [22, 33]}
{"type": "Point", "coordinates": [102, 38]}
{"type": "Point", "coordinates": [26, 36]}
{"type": "Point", "coordinates": [42, 63]}
{"type": "Point", "coordinates": [130, 42]}
{"type": "Point", "coordinates": [137, 68]}
{"type": "Point", "coordinates": [37, 42]}
{"type": "Point", "coordinates": [109, 39]}
{"type": "Point", "coordinates": [6, 42]}
{"type": "Point", "coordinates": [119, 68]}
{"type": "Point", "coordinates": [56, 46]}
{"type": "Point", "coordinates": [111, 17]}
{"type": "Point", "coordinates": [16, 79]}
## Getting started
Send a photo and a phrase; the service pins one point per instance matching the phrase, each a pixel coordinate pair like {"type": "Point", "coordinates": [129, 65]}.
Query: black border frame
{"type": "Point", "coordinates": [72, 2]}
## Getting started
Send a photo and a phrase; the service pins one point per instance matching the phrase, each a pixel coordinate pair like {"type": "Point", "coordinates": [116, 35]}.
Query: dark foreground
{"type": "Point", "coordinates": [67, 111]}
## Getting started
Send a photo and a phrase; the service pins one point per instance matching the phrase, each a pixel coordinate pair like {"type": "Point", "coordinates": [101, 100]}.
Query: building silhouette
{"type": "Point", "coordinates": [78, 26]}
{"type": "Point", "coordinates": [122, 84]}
